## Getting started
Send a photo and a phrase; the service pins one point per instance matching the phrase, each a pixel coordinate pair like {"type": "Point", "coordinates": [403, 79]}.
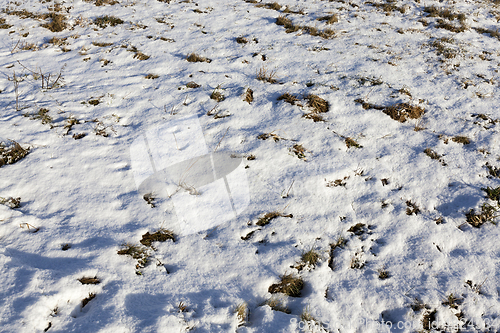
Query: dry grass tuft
{"type": "Point", "coordinates": [11, 202]}
{"type": "Point", "coordinates": [493, 193]}
{"type": "Point", "coordinates": [299, 151]}
{"type": "Point", "coordinates": [100, 44]}
{"type": "Point", "coordinates": [487, 214]}
{"type": "Point", "coordinates": [161, 235]}
{"type": "Point", "coordinates": [193, 57]}
{"type": "Point", "coordinates": [308, 259]}
{"type": "Point", "coordinates": [270, 5]}
{"type": "Point", "coordinates": [87, 299]}
{"type": "Point", "coordinates": [105, 21]}
{"type": "Point", "coordinates": [276, 303]}
{"type": "Point", "coordinates": [138, 252]}
{"type": "Point", "coordinates": [399, 112]}
{"type": "Point", "coordinates": [289, 98]}
{"type": "Point", "coordinates": [350, 142]}
{"type": "Point", "coordinates": [263, 74]}
{"type": "Point", "coordinates": [241, 40]}
{"type": "Point", "coordinates": [461, 139]}
{"type": "Point", "coordinates": [216, 95]}
{"type": "Point", "coordinates": [11, 152]}
{"type": "Point", "coordinates": [249, 95]}
{"type": "Point", "coordinates": [151, 76]}
{"type": "Point", "coordinates": [242, 314]}
{"type": "Point", "coordinates": [329, 19]}
{"type": "Point", "coordinates": [102, 2]}
{"type": "Point", "coordinates": [89, 280]}
{"type": "Point", "coordinates": [314, 116]}
{"type": "Point", "coordinates": [266, 219]}
{"type": "Point", "coordinates": [318, 104]}
{"type": "Point", "coordinates": [412, 208]}
{"type": "Point", "coordinates": [289, 285]}
{"type": "Point", "coordinates": [57, 24]}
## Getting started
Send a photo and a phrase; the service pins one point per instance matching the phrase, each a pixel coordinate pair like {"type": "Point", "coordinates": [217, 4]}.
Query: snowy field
{"type": "Point", "coordinates": [364, 134]}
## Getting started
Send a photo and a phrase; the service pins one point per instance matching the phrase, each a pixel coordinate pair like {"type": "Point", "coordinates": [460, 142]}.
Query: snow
{"type": "Point", "coordinates": [87, 192]}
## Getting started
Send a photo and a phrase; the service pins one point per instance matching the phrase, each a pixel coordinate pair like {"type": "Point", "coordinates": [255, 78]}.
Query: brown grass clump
{"type": "Point", "coordinates": [327, 34]}
{"type": "Point", "coordinates": [241, 40]}
{"type": "Point", "coordinates": [266, 219]}
{"type": "Point", "coordinates": [86, 300]}
{"type": "Point", "coordinates": [358, 229]}
{"type": "Point", "coordinates": [3, 24]}
{"type": "Point", "coordinates": [299, 151]}
{"type": "Point", "coordinates": [193, 57]}
{"type": "Point", "coordinates": [314, 116]}
{"type": "Point", "coordinates": [289, 285]}
{"type": "Point", "coordinates": [105, 21]}
{"type": "Point", "coordinates": [492, 193]}
{"type": "Point", "coordinates": [242, 313]}
{"type": "Point", "coordinates": [100, 44]}
{"type": "Point", "coordinates": [461, 139]}
{"type": "Point", "coordinates": [287, 23]}
{"type": "Point", "coordinates": [318, 104]}
{"type": "Point", "coordinates": [429, 319]}
{"type": "Point", "coordinates": [192, 85]}
{"type": "Point", "coordinates": [399, 112]}
{"type": "Point", "coordinates": [402, 111]}
{"type": "Point", "coordinates": [102, 2]}
{"type": "Point", "coordinates": [329, 19]}
{"type": "Point", "coordinates": [432, 154]}
{"type": "Point", "coordinates": [271, 5]}
{"type": "Point", "coordinates": [89, 280]}
{"type": "Point", "coordinates": [289, 98]}
{"type": "Point", "coordinates": [277, 304]}
{"type": "Point", "coordinates": [263, 74]}
{"type": "Point", "coordinates": [151, 76]}
{"type": "Point", "coordinates": [58, 22]}
{"type": "Point", "coordinates": [11, 202]}
{"type": "Point", "coordinates": [487, 214]}
{"type": "Point", "coordinates": [350, 142]}
{"type": "Point", "coordinates": [249, 95]}
{"type": "Point", "coordinates": [161, 235]}
{"type": "Point", "coordinates": [140, 253]}
{"type": "Point", "coordinates": [216, 95]}
{"type": "Point", "coordinates": [412, 208]}
{"type": "Point", "coordinates": [309, 258]}
{"type": "Point", "coordinates": [11, 152]}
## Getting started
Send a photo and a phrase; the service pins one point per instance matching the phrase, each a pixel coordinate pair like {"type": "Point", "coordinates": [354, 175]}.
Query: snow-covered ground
{"type": "Point", "coordinates": [383, 225]}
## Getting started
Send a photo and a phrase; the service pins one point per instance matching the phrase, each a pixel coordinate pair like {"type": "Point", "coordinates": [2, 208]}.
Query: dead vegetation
{"type": "Point", "coordinates": [276, 303]}
{"type": "Point", "coordinates": [308, 259]}
{"type": "Point", "coordinates": [289, 285]}
{"type": "Point", "coordinates": [102, 2]}
{"type": "Point", "coordinates": [266, 219]}
{"type": "Point", "coordinates": [266, 75]}
{"type": "Point", "coordinates": [313, 31]}
{"type": "Point", "coordinates": [193, 57]}
{"type": "Point", "coordinates": [11, 152]}
{"type": "Point", "coordinates": [137, 252]}
{"type": "Point", "coordinates": [162, 235]}
{"type": "Point", "coordinates": [87, 299]}
{"type": "Point", "coordinates": [488, 213]}
{"type": "Point", "coordinates": [329, 19]}
{"type": "Point", "coordinates": [11, 202]}
{"type": "Point", "coordinates": [299, 151]}
{"type": "Point", "coordinates": [412, 208]}
{"type": "Point", "coordinates": [248, 95]}
{"type": "Point", "coordinates": [89, 280]}
{"type": "Point", "coordinates": [317, 104]}
{"type": "Point", "coordinates": [399, 111]}
{"type": "Point", "coordinates": [105, 21]}
{"type": "Point", "coordinates": [289, 98]}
